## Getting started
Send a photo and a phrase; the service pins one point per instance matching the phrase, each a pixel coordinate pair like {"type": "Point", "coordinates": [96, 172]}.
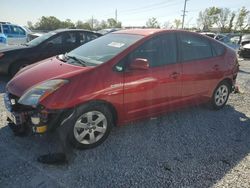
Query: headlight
{"type": "Point", "coordinates": [39, 92]}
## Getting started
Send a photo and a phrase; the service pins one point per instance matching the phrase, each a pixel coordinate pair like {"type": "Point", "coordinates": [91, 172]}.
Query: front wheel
{"type": "Point", "coordinates": [91, 126]}
{"type": "Point", "coordinates": [220, 96]}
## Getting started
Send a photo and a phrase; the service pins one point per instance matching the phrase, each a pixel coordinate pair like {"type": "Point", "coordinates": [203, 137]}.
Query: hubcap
{"type": "Point", "coordinates": [90, 127]}
{"type": "Point", "coordinates": [221, 95]}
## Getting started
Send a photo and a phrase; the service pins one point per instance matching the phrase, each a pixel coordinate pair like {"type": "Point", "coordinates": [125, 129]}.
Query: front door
{"type": "Point", "coordinates": [157, 89]}
{"type": "Point", "coordinates": [52, 47]}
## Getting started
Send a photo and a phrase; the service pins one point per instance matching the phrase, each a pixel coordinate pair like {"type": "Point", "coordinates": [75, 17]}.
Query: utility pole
{"type": "Point", "coordinates": [184, 14]}
{"type": "Point", "coordinates": [116, 15]}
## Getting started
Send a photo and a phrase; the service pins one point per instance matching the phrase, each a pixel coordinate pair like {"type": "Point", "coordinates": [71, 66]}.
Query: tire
{"type": "Point", "coordinates": [220, 96]}
{"type": "Point", "coordinates": [15, 67]}
{"type": "Point", "coordinates": [91, 126]}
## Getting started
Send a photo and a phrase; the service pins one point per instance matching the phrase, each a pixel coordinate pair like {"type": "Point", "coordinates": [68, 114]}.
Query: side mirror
{"type": "Point", "coordinates": [139, 64]}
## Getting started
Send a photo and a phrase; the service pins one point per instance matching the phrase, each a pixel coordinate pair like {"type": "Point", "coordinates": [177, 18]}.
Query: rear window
{"type": "Point", "coordinates": [194, 47]}
{"type": "Point", "coordinates": [218, 49]}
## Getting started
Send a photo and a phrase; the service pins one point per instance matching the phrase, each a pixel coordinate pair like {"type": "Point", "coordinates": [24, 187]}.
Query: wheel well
{"type": "Point", "coordinates": [229, 81]}
{"type": "Point", "coordinates": [110, 107]}
{"type": "Point", "coordinates": [15, 62]}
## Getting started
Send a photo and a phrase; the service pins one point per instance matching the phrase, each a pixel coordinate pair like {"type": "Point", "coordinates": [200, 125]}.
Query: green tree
{"type": "Point", "coordinates": [208, 17]}
{"type": "Point", "coordinates": [231, 20]}
{"type": "Point", "coordinates": [103, 24]}
{"type": "Point", "coordinates": [241, 19]}
{"type": "Point", "coordinates": [67, 24]}
{"type": "Point", "coordinates": [223, 18]}
{"type": "Point", "coordinates": [48, 23]}
{"type": "Point", "coordinates": [111, 22]}
{"type": "Point", "coordinates": [81, 25]}
{"type": "Point", "coordinates": [152, 23]}
{"type": "Point", "coordinates": [177, 23]}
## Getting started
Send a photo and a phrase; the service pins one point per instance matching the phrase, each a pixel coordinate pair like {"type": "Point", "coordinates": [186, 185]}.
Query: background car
{"type": "Point", "coordinates": [13, 58]}
{"type": "Point", "coordinates": [222, 38]}
{"type": "Point", "coordinates": [226, 40]}
{"type": "Point", "coordinates": [118, 78]}
{"type": "Point", "coordinates": [15, 34]}
{"type": "Point", "coordinates": [245, 39]}
{"type": "Point", "coordinates": [244, 50]}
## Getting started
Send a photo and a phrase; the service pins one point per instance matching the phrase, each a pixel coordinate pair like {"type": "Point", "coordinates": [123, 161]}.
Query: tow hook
{"type": "Point", "coordinates": [40, 129]}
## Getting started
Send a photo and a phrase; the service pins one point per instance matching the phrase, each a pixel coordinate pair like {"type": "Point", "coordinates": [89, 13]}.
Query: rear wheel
{"type": "Point", "coordinates": [91, 126]}
{"type": "Point", "coordinates": [220, 95]}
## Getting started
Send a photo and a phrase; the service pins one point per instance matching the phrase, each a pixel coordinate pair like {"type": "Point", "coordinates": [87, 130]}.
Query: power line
{"type": "Point", "coordinates": [143, 8]}
{"type": "Point", "coordinates": [151, 8]}
{"type": "Point", "coordinates": [147, 6]}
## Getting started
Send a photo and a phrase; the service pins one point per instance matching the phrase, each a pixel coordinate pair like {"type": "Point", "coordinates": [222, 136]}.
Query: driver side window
{"type": "Point", "coordinates": [159, 51]}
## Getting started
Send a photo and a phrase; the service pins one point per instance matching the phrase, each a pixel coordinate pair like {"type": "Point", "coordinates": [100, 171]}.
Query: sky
{"type": "Point", "coordinates": [129, 12]}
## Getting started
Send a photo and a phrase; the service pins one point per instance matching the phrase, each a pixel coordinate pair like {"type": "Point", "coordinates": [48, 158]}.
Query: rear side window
{"type": "Point", "coordinates": [194, 47]}
{"type": "Point", "coordinates": [91, 36]}
{"type": "Point", "coordinates": [82, 38]}
{"type": "Point", "coordinates": [70, 38]}
{"type": "Point", "coordinates": [218, 49]}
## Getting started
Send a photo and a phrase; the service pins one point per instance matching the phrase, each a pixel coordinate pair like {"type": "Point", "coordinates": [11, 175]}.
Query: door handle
{"type": "Point", "coordinates": [174, 75]}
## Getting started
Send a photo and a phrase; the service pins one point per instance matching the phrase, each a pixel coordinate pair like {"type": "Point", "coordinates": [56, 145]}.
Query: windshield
{"type": "Point", "coordinates": [40, 39]}
{"type": "Point", "coordinates": [104, 48]}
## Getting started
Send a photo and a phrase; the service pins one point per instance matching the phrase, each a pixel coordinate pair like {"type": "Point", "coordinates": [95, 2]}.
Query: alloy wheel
{"type": "Point", "coordinates": [90, 127]}
{"type": "Point", "coordinates": [221, 95]}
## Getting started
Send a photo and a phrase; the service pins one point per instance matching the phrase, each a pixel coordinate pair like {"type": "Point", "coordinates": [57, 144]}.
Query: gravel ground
{"type": "Point", "coordinates": [194, 147]}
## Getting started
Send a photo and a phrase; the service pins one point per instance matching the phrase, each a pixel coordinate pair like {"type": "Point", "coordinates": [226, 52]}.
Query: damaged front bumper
{"type": "Point", "coordinates": [38, 120]}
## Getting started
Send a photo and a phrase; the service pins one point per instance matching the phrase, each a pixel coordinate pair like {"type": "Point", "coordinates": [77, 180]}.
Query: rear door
{"type": "Point", "coordinates": [69, 41]}
{"type": "Point", "coordinates": [148, 92]}
{"type": "Point", "coordinates": [201, 70]}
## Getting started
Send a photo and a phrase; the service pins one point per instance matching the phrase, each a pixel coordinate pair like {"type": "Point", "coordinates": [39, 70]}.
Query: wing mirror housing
{"type": "Point", "coordinates": [139, 64]}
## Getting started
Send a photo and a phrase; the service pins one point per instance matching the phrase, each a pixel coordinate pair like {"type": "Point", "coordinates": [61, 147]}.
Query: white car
{"type": "Point", "coordinates": [15, 34]}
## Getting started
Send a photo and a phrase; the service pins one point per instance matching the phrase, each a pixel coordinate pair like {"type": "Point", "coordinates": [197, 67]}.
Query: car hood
{"type": "Point", "coordinates": [12, 47]}
{"type": "Point", "coordinates": [45, 70]}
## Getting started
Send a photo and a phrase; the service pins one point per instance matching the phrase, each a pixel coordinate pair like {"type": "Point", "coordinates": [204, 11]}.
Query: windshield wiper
{"type": "Point", "coordinates": [80, 61]}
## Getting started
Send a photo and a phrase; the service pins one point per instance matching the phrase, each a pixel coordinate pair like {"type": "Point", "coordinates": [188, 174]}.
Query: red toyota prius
{"type": "Point", "coordinates": [118, 78]}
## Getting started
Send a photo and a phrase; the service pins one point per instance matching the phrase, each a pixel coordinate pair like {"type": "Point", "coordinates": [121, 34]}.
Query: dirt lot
{"type": "Point", "coordinates": [194, 147]}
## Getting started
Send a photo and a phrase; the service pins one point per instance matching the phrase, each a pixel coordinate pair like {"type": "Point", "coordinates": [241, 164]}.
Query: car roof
{"type": "Point", "coordinates": [65, 30]}
{"type": "Point", "coordinates": [144, 32]}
